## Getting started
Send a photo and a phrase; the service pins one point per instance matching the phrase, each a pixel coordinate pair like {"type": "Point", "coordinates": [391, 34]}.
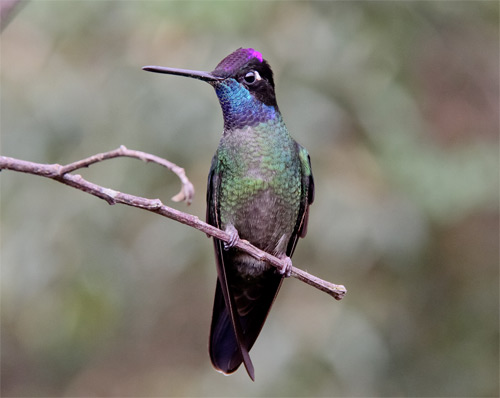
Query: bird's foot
{"type": "Point", "coordinates": [234, 237]}
{"type": "Point", "coordinates": [286, 268]}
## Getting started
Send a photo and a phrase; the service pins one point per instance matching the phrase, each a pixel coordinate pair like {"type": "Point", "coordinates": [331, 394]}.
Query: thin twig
{"type": "Point", "coordinates": [186, 193]}
{"type": "Point", "coordinates": [64, 175]}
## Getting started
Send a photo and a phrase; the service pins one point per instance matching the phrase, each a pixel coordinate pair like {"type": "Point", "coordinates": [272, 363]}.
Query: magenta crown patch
{"type": "Point", "coordinates": [254, 54]}
{"type": "Point", "coordinates": [237, 59]}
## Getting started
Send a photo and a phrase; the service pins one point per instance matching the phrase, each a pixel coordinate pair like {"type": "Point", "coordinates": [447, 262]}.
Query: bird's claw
{"type": "Point", "coordinates": [234, 237]}
{"type": "Point", "coordinates": [286, 268]}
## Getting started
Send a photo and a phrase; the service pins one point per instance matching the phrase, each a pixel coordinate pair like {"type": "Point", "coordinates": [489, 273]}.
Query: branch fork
{"type": "Point", "coordinates": [63, 174]}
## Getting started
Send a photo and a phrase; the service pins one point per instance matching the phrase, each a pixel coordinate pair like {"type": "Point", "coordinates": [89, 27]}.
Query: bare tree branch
{"type": "Point", "coordinates": [186, 193]}
{"type": "Point", "coordinates": [64, 175]}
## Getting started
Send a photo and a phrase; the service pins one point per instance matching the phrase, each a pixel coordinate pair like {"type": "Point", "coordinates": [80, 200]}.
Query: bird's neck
{"type": "Point", "coordinates": [240, 109]}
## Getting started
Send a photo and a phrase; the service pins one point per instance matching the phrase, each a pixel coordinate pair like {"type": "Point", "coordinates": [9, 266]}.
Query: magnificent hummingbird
{"type": "Point", "coordinates": [259, 188]}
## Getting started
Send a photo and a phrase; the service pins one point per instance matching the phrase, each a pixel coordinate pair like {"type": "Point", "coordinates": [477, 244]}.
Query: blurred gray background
{"type": "Point", "coordinates": [397, 103]}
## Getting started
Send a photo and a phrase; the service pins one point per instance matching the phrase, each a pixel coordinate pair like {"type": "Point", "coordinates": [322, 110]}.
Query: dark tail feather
{"type": "Point", "coordinates": [225, 352]}
{"type": "Point", "coordinates": [253, 304]}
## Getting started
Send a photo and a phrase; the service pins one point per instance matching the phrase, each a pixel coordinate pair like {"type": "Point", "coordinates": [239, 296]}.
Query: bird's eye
{"type": "Point", "coordinates": [251, 77]}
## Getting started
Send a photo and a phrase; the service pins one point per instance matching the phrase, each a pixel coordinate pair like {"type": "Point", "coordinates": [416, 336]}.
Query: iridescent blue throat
{"type": "Point", "coordinates": [240, 108]}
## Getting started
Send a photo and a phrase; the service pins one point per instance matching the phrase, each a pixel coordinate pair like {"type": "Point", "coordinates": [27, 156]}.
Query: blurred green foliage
{"type": "Point", "coordinates": [397, 103]}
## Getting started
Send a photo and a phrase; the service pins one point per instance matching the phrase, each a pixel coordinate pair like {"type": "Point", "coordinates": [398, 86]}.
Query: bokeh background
{"type": "Point", "coordinates": [397, 103]}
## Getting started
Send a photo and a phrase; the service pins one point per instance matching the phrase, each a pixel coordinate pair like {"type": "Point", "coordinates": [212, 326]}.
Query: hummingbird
{"type": "Point", "coordinates": [260, 186]}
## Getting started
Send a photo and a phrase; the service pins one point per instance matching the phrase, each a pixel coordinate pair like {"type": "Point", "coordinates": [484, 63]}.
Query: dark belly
{"type": "Point", "coordinates": [266, 221]}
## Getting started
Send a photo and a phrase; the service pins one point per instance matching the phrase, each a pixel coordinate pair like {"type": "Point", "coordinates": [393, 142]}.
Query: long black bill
{"type": "Point", "coordinates": [205, 76]}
